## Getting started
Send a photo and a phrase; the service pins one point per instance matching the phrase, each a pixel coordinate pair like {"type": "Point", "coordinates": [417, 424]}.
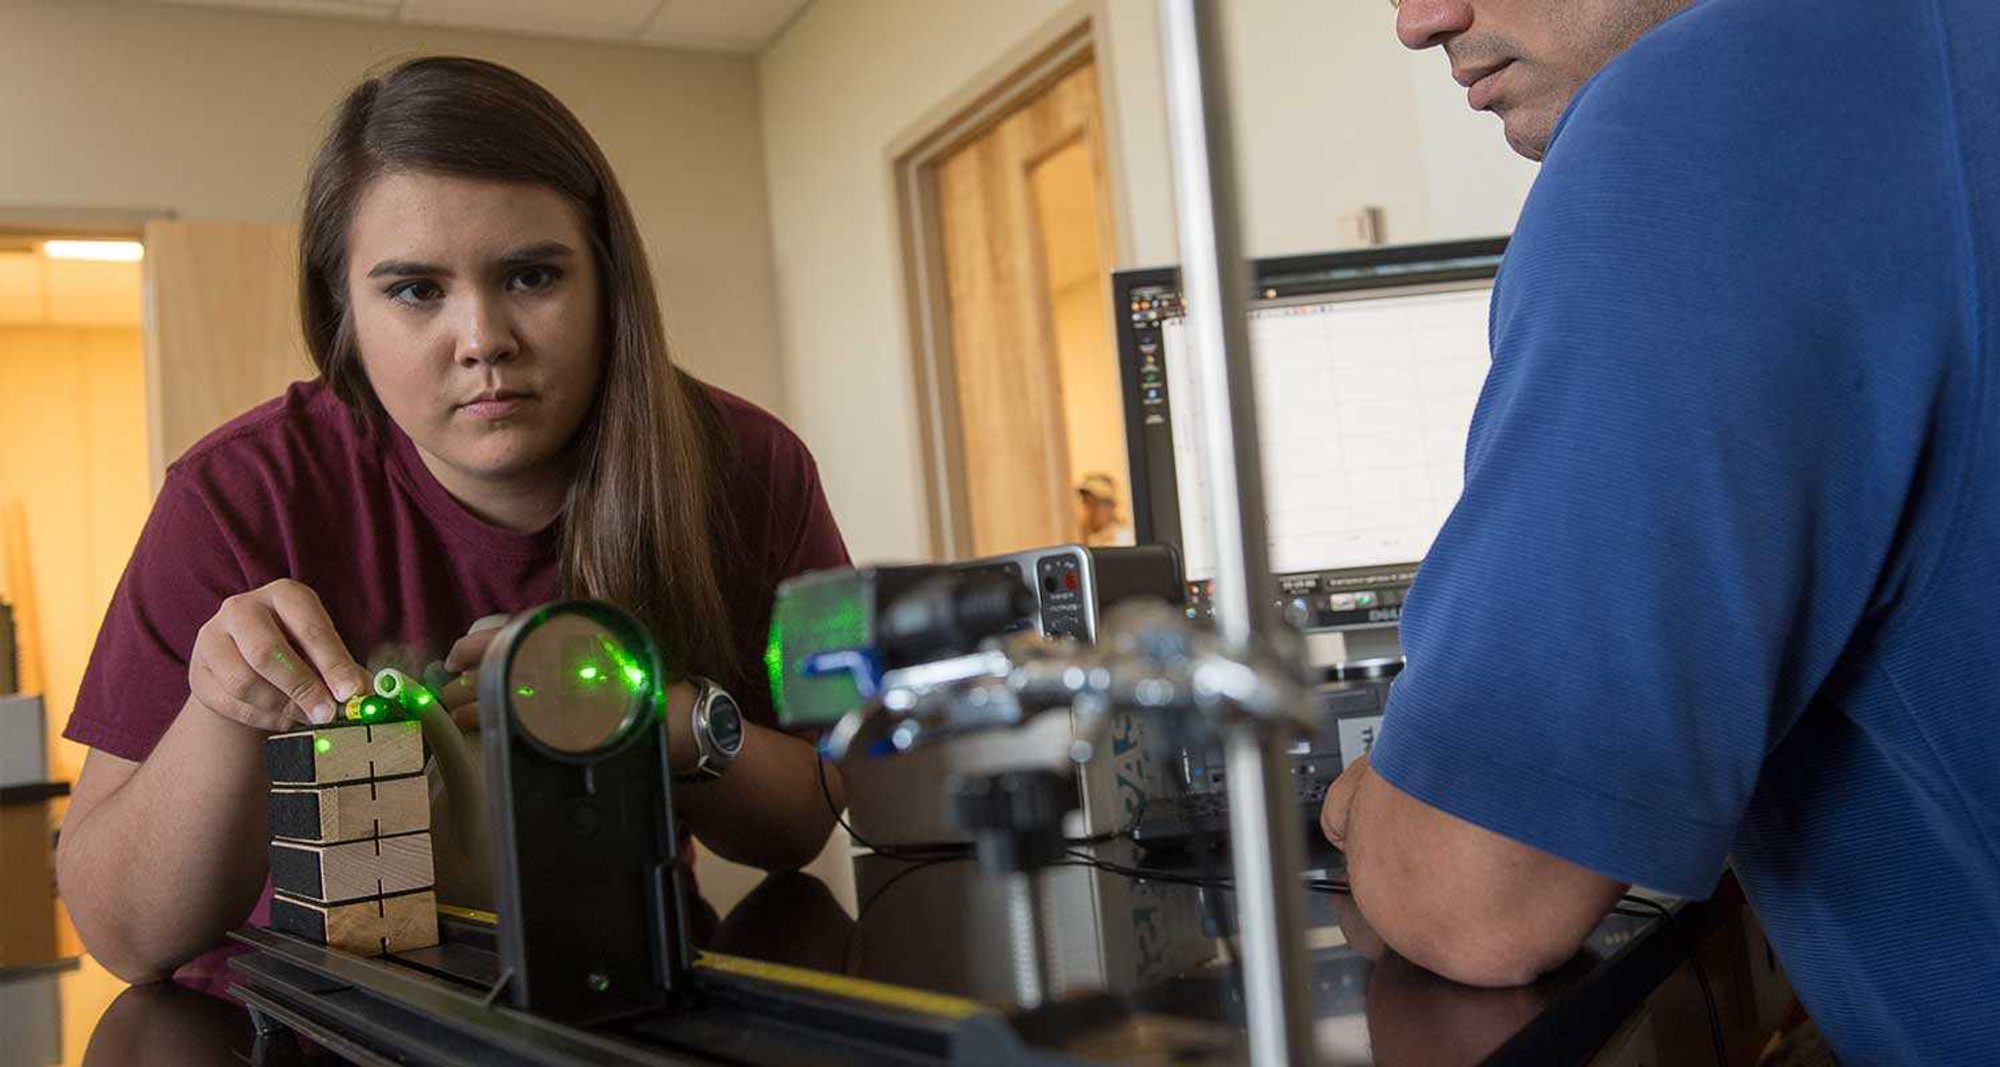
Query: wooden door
{"type": "Point", "coordinates": [222, 327]}
{"type": "Point", "coordinates": [1006, 378]}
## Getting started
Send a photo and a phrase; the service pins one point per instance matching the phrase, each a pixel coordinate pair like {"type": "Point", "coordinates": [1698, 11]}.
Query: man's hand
{"type": "Point", "coordinates": [1339, 801]}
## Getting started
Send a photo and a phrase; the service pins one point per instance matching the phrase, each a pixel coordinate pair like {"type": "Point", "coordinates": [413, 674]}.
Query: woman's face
{"type": "Point", "coordinates": [475, 308]}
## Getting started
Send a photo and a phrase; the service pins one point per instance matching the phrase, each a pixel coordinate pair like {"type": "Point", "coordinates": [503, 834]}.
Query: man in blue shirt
{"type": "Point", "coordinates": [1724, 584]}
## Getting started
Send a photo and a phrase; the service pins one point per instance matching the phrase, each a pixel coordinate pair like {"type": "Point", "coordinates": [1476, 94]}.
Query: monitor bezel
{"type": "Point", "coordinates": [1280, 279]}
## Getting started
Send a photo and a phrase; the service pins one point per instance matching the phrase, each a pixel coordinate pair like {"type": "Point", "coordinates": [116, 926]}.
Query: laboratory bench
{"type": "Point", "coordinates": [1135, 960]}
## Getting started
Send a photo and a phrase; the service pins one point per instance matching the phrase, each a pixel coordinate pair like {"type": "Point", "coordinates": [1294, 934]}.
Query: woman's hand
{"type": "Point", "coordinates": [460, 696]}
{"type": "Point", "coordinates": [270, 659]}
{"type": "Point", "coordinates": [460, 844]}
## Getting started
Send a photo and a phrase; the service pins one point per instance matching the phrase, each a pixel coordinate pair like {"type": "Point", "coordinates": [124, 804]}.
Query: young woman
{"type": "Point", "coordinates": [495, 423]}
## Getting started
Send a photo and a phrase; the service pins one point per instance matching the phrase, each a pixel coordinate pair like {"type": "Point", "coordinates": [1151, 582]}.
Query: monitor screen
{"type": "Point", "coordinates": [1368, 365]}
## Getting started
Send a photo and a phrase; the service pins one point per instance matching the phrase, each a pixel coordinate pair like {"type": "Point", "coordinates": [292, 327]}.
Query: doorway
{"type": "Point", "coordinates": [1012, 240]}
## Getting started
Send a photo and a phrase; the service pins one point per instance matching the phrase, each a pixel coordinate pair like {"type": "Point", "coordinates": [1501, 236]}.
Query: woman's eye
{"type": "Point", "coordinates": [414, 293]}
{"type": "Point", "coordinates": [529, 279]}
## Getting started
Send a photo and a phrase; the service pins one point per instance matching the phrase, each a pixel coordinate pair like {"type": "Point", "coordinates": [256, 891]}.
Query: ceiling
{"type": "Point", "coordinates": [738, 26]}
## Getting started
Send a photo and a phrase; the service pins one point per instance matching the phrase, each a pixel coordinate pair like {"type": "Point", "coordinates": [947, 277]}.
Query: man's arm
{"type": "Point", "coordinates": [1459, 900]}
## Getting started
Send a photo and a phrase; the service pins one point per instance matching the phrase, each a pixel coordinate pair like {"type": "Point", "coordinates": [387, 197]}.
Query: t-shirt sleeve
{"type": "Point", "coordinates": [180, 572]}
{"type": "Point", "coordinates": [1716, 368]}
{"type": "Point", "coordinates": [789, 531]}
{"type": "Point", "coordinates": [816, 543]}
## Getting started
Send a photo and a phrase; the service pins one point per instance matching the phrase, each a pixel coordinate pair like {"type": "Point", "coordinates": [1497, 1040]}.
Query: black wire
{"type": "Point", "coordinates": [1185, 737]}
{"type": "Point", "coordinates": [854, 932]}
{"type": "Point", "coordinates": [1694, 959]}
{"type": "Point", "coordinates": [927, 855]}
{"type": "Point", "coordinates": [941, 850]}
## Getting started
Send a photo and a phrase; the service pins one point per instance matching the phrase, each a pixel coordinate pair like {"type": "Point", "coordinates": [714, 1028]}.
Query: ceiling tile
{"type": "Point", "coordinates": [720, 25]}
{"type": "Point", "coordinates": [617, 20]}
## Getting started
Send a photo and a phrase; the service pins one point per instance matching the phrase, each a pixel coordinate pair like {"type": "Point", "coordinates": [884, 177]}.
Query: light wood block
{"type": "Point", "coordinates": [375, 927]}
{"type": "Point", "coordinates": [352, 752]}
{"type": "Point", "coordinates": [334, 813]}
{"type": "Point", "coordinates": [334, 874]}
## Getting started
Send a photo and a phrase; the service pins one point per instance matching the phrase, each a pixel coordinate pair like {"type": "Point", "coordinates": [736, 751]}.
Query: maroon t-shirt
{"type": "Point", "coordinates": [298, 488]}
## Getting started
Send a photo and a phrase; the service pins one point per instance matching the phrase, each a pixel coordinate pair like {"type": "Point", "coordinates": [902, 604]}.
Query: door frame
{"type": "Point", "coordinates": [1068, 42]}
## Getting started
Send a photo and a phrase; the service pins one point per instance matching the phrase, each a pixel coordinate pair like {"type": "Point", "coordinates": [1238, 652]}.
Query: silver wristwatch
{"type": "Point", "coordinates": [718, 731]}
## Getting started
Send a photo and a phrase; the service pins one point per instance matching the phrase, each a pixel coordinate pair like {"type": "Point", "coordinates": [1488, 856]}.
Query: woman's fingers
{"type": "Point", "coordinates": [469, 650]}
{"type": "Point", "coordinates": [304, 618]}
{"type": "Point", "coordinates": [270, 658]}
{"type": "Point", "coordinates": [264, 709]}
{"type": "Point", "coordinates": [263, 646]}
{"type": "Point", "coordinates": [460, 697]}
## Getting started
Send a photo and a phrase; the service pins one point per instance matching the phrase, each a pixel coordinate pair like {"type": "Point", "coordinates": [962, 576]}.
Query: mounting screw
{"type": "Point", "coordinates": [598, 981]}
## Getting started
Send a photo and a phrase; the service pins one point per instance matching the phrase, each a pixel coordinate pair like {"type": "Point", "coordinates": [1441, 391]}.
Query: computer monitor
{"type": "Point", "coordinates": [1368, 365]}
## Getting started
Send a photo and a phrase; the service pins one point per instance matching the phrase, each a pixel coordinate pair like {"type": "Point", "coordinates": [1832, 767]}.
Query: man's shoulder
{"type": "Point", "coordinates": [1780, 35]}
{"type": "Point", "coordinates": [1783, 74]}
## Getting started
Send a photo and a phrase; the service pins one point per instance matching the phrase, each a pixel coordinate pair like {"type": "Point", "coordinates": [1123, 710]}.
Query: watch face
{"type": "Point", "coordinates": [725, 723]}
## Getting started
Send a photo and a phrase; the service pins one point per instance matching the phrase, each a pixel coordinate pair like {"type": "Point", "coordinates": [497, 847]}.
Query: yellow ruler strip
{"type": "Point", "coordinates": [841, 985]}
{"type": "Point", "coordinates": [456, 912]}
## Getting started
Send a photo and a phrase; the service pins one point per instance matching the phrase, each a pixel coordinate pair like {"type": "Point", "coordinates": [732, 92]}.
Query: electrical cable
{"type": "Point", "coordinates": [927, 855]}
{"type": "Point", "coordinates": [1694, 960]}
{"type": "Point", "coordinates": [861, 913]}
{"type": "Point", "coordinates": [939, 850]}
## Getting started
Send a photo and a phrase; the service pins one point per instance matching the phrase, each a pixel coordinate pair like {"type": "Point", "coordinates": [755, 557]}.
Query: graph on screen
{"type": "Point", "coordinates": [1363, 406]}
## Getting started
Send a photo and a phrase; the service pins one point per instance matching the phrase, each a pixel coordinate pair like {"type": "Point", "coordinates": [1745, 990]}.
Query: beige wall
{"type": "Point", "coordinates": [1331, 115]}
{"type": "Point", "coordinates": [213, 115]}
{"type": "Point", "coordinates": [73, 453]}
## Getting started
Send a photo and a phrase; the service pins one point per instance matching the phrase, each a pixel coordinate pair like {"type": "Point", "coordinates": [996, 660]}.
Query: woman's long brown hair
{"type": "Point", "coordinates": [637, 527]}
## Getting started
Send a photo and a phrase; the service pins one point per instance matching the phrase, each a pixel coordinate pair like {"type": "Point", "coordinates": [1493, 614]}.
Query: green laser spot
{"type": "Point", "coordinates": [322, 745]}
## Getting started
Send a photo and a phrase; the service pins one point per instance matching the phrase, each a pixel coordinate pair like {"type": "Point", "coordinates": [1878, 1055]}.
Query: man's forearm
{"type": "Point", "coordinates": [155, 872]}
{"type": "Point", "coordinates": [767, 810]}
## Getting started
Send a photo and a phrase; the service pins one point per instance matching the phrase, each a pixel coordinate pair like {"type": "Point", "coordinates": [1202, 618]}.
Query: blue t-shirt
{"type": "Point", "coordinates": [1724, 584]}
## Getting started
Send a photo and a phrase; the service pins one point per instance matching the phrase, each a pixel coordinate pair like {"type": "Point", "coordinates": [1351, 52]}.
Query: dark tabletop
{"type": "Point", "coordinates": [1151, 943]}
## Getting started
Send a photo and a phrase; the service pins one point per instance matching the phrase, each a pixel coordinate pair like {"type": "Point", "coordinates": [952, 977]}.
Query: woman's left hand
{"type": "Point", "coordinates": [460, 696]}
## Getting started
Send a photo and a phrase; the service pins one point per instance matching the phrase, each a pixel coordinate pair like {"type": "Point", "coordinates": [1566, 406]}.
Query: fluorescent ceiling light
{"type": "Point", "coordinates": [101, 251]}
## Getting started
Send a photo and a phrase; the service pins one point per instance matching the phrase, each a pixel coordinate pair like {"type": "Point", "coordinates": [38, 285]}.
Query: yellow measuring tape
{"type": "Point", "coordinates": [840, 985]}
{"type": "Point", "coordinates": [942, 1005]}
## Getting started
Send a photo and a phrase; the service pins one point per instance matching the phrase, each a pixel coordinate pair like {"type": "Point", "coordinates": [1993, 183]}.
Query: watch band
{"type": "Point", "coordinates": [713, 756]}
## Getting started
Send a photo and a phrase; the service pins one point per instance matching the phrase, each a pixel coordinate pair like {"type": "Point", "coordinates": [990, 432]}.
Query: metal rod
{"type": "Point", "coordinates": [1024, 931]}
{"type": "Point", "coordinates": [1263, 825]}
{"type": "Point", "coordinates": [1264, 855]}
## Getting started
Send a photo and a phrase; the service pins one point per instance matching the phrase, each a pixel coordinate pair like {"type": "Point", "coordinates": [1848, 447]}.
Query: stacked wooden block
{"type": "Point", "coordinates": [350, 837]}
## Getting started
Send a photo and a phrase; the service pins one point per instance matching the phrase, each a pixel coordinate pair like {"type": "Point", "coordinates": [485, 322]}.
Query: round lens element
{"type": "Point", "coordinates": [725, 723]}
{"type": "Point", "coordinates": [576, 687]}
